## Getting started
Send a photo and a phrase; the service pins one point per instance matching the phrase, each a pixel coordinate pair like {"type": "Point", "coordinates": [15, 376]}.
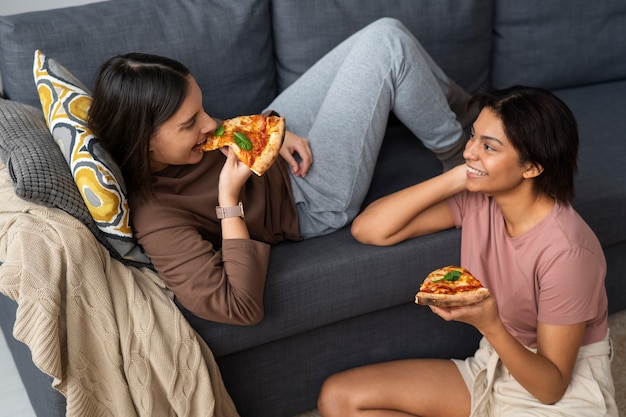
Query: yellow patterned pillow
{"type": "Point", "coordinates": [65, 102]}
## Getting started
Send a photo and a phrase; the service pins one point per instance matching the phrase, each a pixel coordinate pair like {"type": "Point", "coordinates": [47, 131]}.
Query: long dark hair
{"type": "Point", "coordinates": [134, 94]}
{"type": "Point", "coordinates": [543, 130]}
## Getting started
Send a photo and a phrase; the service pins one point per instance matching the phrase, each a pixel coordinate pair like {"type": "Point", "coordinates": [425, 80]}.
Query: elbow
{"type": "Point", "coordinates": [356, 230]}
{"type": "Point", "coordinates": [363, 232]}
{"type": "Point", "coordinates": [249, 318]}
{"type": "Point", "coordinates": [549, 400]}
{"type": "Point", "coordinates": [555, 399]}
{"type": "Point", "coordinates": [241, 314]}
{"type": "Point", "coordinates": [248, 311]}
{"type": "Point", "coordinates": [360, 232]}
{"type": "Point", "coordinates": [552, 397]}
{"type": "Point", "coordinates": [246, 314]}
{"type": "Point", "coordinates": [252, 318]}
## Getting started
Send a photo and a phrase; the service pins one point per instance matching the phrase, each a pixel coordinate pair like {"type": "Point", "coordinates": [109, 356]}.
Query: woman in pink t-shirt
{"type": "Point", "coordinates": [545, 349]}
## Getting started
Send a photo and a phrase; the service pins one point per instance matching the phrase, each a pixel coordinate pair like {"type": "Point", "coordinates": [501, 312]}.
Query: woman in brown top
{"type": "Point", "coordinates": [148, 112]}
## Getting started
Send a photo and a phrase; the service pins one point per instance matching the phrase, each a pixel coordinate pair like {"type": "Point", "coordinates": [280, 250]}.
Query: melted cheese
{"type": "Point", "coordinates": [466, 282]}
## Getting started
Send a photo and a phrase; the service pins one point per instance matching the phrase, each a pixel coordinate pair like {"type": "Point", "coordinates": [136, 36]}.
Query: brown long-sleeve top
{"type": "Point", "coordinates": [218, 280]}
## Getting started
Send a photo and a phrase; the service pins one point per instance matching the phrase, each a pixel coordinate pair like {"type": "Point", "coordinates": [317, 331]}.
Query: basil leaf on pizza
{"type": "Point", "coordinates": [242, 141]}
{"type": "Point", "coordinates": [450, 276]}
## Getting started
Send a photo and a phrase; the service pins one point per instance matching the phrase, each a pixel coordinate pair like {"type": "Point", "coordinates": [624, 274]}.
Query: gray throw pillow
{"type": "Point", "coordinates": [38, 169]}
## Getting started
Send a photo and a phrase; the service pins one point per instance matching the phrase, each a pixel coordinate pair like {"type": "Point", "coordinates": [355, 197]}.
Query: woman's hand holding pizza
{"type": "Point", "coordinates": [483, 316]}
{"type": "Point", "coordinates": [232, 177]}
{"type": "Point", "coordinates": [294, 144]}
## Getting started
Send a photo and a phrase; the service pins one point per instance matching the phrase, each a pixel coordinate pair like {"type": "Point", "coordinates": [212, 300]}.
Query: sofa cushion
{"type": "Point", "coordinates": [456, 34]}
{"type": "Point", "coordinates": [65, 103]}
{"type": "Point", "coordinates": [601, 183]}
{"type": "Point", "coordinates": [560, 43]}
{"type": "Point", "coordinates": [202, 35]}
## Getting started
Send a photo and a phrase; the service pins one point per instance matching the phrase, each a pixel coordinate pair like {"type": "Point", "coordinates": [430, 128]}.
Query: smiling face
{"type": "Point", "coordinates": [176, 142]}
{"type": "Point", "coordinates": [493, 164]}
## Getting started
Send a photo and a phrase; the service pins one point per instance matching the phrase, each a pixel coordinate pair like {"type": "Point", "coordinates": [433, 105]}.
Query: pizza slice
{"type": "Point", "coordinates": [451, 286]}
{"type": "Point", "coordinates": [256, 139]}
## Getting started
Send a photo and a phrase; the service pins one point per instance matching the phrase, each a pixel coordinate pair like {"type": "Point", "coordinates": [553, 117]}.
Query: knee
{"type": "Point", "coordinates": [327, 398]}
{"type": "Point", "coordinates": [334, 398]}
{"type": "Point", "coordinates": [389, 23]}
{"type": "Point", "coordinates": [386, 26]}
{"type": "Point", "coordinates": [389, 29]}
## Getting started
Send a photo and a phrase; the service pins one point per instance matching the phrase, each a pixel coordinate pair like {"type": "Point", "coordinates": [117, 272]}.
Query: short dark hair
{"type": "Point", "coordinates": [134, 94]}
{"type": "Point", "coordinates": [543, 130]}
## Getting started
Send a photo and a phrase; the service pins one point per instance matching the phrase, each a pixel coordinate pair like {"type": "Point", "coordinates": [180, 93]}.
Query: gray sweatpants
{"type": "Point", "coordinates": [342, 104]}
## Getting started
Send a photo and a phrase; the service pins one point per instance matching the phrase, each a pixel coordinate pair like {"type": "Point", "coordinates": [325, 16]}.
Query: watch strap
{"type": "Point", "coordinates": [226, 212]}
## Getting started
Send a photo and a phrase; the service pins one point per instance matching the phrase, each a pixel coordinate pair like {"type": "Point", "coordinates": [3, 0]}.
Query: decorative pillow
{"type": "Point", "coordinates": [65, 102]}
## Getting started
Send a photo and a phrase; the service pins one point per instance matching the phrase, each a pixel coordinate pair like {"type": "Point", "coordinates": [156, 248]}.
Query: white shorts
{"type": "Point", "coordinates": [496, 393]}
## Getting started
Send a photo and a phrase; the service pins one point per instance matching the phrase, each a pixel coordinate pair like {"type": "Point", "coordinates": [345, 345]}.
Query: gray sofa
{"type": "Point", "coordinates": [330, 302]}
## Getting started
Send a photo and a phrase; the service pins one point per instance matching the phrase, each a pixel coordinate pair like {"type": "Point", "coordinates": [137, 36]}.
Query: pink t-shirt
{"type": "Point", "coordinates": [553, 274]}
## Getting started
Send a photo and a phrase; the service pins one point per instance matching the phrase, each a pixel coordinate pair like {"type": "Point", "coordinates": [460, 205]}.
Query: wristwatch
{"type": "Point", "coordinates": [226, 212]}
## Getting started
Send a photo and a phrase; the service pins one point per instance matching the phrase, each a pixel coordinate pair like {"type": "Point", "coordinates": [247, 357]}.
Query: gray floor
{"type": "Point", "coordinates": [13, 399]}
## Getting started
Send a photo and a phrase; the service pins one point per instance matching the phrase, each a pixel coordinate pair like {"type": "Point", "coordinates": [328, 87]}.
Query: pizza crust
{"type": "Point", "coordinates": [265, 160]}
{"type": "Point", "coordinates": [452, 300]}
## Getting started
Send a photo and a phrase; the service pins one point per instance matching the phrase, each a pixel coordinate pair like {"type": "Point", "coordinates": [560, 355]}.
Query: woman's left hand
{"type": "Point", "coordinates": [297, 153]}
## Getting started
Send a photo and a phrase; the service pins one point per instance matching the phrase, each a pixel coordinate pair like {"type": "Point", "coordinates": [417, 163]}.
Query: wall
{"type": "Point", "coordinates": [9, 7]}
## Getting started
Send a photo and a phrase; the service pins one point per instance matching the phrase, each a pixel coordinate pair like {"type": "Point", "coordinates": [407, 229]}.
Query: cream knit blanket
{"type": "Point", "coordinates": [110, 336]}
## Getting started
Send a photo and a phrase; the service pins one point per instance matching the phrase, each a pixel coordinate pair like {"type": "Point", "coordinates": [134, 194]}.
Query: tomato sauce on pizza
{"type": "Point", "coordinates": [451, 286]}
{"type": "Point", "coordinates": [256, 139]}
